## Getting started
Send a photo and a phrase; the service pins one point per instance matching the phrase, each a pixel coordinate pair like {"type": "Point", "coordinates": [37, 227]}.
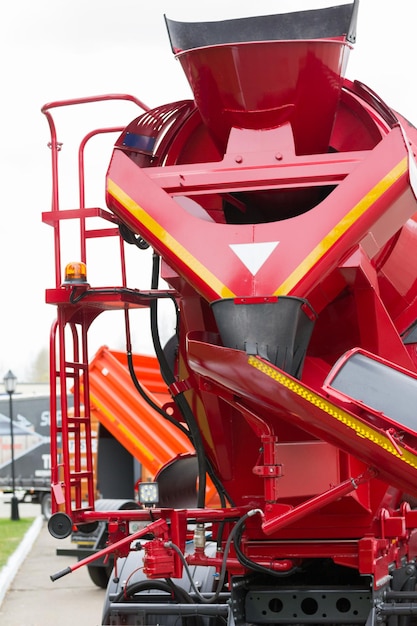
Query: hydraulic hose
{"type": "Point", "coordinates": [180, 595]}
{"type": "Point", "coordinates": [222, 577]}
{"type": "Point", "coordinates": [179, 399]}
{"type": "Point", "coordinates": [149, 400]}
{"type": "Point", "coordinates": [252, 565]}
{"type": "Point", "coordinates": [192, 431]}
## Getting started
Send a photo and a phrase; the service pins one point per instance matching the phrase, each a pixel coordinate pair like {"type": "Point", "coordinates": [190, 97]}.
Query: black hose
{"type": "Point", "coordinates": [184, 407]}
{"type": "Point", "coordinates": [142, 585]}
{"type": "Point", "coordinates": [179, 399]}
{"type": "Point", "coordinates": [252, 565]}
{"type": "Point", "coordinates": [223, 495]}
{"type": "Point", "coordinates": [149, 400]}
{"type": "Point", "coordinates": [180, 595]}
{"type": "Point", "coordinates": [223, 570]}
{"type": "Point", "coordinates": [192, 431]}
{"type": "Point", "coordinates": [132, 238]}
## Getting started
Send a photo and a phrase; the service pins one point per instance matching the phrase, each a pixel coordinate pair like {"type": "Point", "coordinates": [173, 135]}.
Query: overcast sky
{"type": "Point", "coordinates": [59, 49]}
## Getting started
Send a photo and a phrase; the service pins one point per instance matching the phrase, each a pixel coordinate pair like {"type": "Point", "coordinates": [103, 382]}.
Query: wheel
{"type": "Point", "coordinates": [46, 506]}
{"type": "Point", "coordinates": [100, 575]}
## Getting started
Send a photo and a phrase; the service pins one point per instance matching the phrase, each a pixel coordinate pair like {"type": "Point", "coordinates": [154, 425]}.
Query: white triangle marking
{"type": "Point", "coordinates": [254, 255]}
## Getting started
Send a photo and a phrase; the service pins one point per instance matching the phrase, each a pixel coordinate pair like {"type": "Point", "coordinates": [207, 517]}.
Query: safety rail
{"type": "Point", "coordinates": [56, 215]}
{"type": "Point", "coordinates": [72, 473]}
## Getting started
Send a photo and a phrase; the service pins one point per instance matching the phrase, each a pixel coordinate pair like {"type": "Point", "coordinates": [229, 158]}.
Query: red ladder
{"type": "Point", "coordinates": [72, 460]}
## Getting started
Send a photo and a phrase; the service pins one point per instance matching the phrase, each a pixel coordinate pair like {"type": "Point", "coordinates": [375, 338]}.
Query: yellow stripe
{"type": "Point", "coordinates": [327, 242]}
{"type": "Point", "coordinates": [169, 242]}
{"type": "Point", "coordinates": [361, 429]}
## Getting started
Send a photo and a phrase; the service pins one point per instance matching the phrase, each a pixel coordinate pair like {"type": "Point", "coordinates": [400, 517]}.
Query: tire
{"type": "Point", "coordinates": [99, 575]}
{"type": "Point", "coordinates": [46, 506]}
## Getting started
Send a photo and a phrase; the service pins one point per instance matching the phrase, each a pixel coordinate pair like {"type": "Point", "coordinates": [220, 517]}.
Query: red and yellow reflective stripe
{"type": "Point", "coordinates": [336, 233]}
{"type": "Point", "coordinates": [169, 242]}
{"type": "Point", "coordinates": [350, 421]}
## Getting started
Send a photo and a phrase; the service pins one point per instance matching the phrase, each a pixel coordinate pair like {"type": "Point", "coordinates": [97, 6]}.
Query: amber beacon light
{"type": "Point", "coordinates": [75, 273]}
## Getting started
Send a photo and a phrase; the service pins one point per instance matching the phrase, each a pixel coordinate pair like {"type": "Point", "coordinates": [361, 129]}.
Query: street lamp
{"type": "Point", "coordinates": [10, 386]}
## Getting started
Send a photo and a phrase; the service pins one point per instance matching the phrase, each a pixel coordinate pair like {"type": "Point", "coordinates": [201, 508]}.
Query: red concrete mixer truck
{"type": "Point", "coordinates": [280, 207]}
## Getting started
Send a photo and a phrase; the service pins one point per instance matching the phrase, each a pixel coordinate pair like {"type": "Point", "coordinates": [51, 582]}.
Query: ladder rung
{"type": "Point", "coordinates": [76, 476]}
{"type": "Point", "coordinates": [78, 420]}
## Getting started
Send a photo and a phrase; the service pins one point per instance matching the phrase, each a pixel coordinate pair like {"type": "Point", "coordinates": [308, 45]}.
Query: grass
{"type": "Point", "coordinates": [11, 534]}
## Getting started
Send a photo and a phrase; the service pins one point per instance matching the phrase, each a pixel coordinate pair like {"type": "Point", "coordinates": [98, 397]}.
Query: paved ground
{"type": "Point", "coordinates": [34, 600]}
